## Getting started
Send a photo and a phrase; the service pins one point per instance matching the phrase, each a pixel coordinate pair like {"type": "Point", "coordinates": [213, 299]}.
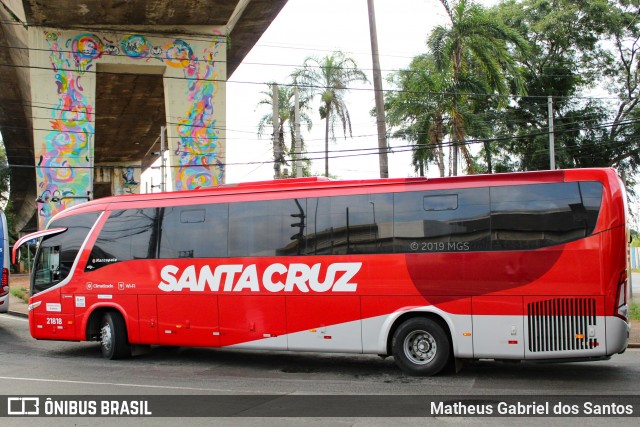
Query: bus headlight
{"type": "Point", "coordinates": [34, 305]}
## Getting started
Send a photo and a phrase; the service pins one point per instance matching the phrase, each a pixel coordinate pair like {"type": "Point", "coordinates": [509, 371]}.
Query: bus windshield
{"type": "Point", "coordinates": [57, 253]}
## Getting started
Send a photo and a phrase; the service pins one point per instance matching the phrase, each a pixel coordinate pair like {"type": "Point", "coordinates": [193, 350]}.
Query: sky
{"type": "Point", "coordinates": [318, 27]}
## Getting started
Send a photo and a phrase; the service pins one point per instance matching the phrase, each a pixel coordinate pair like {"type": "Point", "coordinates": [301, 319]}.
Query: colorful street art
{"type": "Point", "coordinates": [198, 149]}
{"type": "Point", "coordinates": [127, 181]}
{"type": "Point", "coordinates": [63, 167]}
{"type": "Point", "coordinates": [65, 162]}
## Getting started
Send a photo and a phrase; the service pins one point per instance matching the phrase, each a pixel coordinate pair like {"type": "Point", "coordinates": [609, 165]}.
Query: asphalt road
{"type": "Point", "coordinates": [30, 367]}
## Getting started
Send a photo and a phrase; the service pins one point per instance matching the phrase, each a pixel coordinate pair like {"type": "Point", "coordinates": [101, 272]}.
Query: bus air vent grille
{"type": "Point", "coordinates": [561, 324]}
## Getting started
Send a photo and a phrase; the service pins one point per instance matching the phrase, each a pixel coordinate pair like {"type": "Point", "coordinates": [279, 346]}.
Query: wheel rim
{"type": "Point", "coordinates": [106, 337]}
{"type": "Point", "coordinates": [420, 347]}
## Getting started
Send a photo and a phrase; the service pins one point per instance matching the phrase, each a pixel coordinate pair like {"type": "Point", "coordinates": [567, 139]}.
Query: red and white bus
{"type": "Point", "coordinates": [523, 266]}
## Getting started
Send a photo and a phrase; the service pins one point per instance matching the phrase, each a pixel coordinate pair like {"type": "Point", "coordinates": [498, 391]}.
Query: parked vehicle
{"type": "Point", "coordinates": [523, 266]}
{"type": "Point", "coordinates": [4, 271]}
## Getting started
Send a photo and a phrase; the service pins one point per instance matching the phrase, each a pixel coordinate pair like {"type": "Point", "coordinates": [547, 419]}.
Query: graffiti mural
{"type": "Point", "coordinates": [198, 150]}
{"type": "Point", "coordinates": [127, 182]}
{"type": "Point", "coordinates": [64, 164]}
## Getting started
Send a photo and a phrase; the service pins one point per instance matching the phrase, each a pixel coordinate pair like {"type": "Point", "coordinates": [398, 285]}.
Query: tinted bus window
{"type": "Point", "coordinates": [350, 224]}
{"type": "Point", "coordinates": [442, 221]}
{"type": "Point", "coordinates": [266, 228]}
{"type": "Point", "coordinates": [198, 231]}
{"type": "Point", "coordinates": [127, 235]}
{"type": "Point", "coordinates": [57, 253]}
{"type": "Point", "coordinates": [539, 215]}
{"type": "Point", "coordinates": [591, 193]}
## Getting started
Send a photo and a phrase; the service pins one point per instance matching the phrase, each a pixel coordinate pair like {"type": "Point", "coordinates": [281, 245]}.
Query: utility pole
{"type": "Point", "coordinates": [296, 98]}
{"type": "Point", "coordinates": [163, 176]}
{"type": "Point", "coordinates": [377, 88]}
{"type": "Point", "coordinates": [276, 128]}
{"type": "Point", "coordinates": [552, 148]}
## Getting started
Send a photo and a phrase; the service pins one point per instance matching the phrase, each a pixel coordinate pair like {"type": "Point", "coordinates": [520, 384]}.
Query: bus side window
{"type": "Point", "coordinates": [442, 221]}
{"type": "Point", "coordinates": [591, 193]}
{"type": "Point", "coordinates": [54, 262]}
{"type": "Point", "coordinates": [47, 265]}
{"type": "Point", "coordinates": [127, 235]}
{"type": "Point", "coordinates": [358, 224]}
{"type": "Point", "coordinates": [539, 215]}
{"type": "Point", "coordinates": [198, 231]}
{"type": "Point", "coordinates": [266, 228]}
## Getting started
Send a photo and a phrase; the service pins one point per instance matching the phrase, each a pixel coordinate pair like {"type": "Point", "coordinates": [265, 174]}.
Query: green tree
{"type": "Point", "coordinates": [329, 78]}
{"type": "Point", "coordinates": [286, 117]}
{"type": "Point", "coordinates": [4, 175]}
{"type": "Point", "coordinates": [576, 46]}
{"type": "Point", "coordinates": [417, 111]}
{"type": "Point", "coordinates": [475, 52]}
{"type": "Point", "coordinates": [5, 202]}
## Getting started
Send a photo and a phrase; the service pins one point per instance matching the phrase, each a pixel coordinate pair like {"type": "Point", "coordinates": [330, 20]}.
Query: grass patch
{"type": "Point", "coordinates": [634, 310]}
{"type": "Point", "coordinates": [22, 293]}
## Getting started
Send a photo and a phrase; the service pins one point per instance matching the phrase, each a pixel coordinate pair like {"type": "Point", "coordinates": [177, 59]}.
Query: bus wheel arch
{"type": "Point", "coordinates": [420, 343]}
{"type": "Point", "coordinates": [107, 326]}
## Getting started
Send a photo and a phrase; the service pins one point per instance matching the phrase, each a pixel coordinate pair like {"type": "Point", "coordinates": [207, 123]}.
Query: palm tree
{"type": "Point", "coordinates": [329, 78]}
{"type": "Point", "coordinates": [418, 111]}
{"type": "Point", "coordinates": [286, 116]}
{"type": "Point", "coordinates": [475, 51]}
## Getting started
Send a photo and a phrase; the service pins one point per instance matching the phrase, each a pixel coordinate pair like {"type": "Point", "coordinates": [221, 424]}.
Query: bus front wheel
{"type": "Point", "coordinates": [420, 347]}
{"type": "Point", "coordinates": [113, 337]}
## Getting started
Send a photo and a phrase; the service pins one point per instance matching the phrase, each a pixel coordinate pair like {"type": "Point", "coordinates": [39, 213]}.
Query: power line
{"type": "Point", "coordinates": [354, 152]}
{"type": "Point", "coordinates": [53, 107]}
{"type": "Point", "coordinates": [308, 86]}
{"type": "Point", "coordinates": [542, 132]}
{"type": "Point", "coordinates": [258, 64]}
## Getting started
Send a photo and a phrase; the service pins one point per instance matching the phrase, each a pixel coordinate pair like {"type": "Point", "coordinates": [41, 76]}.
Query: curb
{"type": "Point", "coordinates": [17, 307]}
{"type": "Point", "coordinates": [18, 314]}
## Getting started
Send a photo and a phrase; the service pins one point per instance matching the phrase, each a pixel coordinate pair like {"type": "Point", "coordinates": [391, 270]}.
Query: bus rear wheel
{"type": "Point", "coordinates": [420, 347]}
{"type": "Point", "coordinates": [113, 337]}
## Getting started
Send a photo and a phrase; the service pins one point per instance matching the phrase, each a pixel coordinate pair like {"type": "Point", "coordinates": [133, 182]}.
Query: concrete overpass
{"type": "Point", "coordinates": [85, 87]}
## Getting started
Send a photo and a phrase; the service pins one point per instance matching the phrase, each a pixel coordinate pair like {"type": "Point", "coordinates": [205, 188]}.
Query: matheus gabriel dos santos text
{"type": "Point", "coordinates": [533, 408]}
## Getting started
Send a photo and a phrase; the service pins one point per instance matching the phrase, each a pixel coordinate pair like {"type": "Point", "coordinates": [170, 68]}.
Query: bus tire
{"type": "Point", "coordinates": [420, 347]}
{"type": "Point", "coordinates": [113, 337]}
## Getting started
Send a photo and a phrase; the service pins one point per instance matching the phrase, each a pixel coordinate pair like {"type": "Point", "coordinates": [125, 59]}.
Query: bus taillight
{"type": "Point", "coordinates": [5, 282]}
{"type": "Point", "coordinates": [622, 307]}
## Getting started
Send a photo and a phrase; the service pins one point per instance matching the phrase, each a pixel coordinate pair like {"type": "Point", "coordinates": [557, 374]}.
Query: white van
{"type": "Point", "coordinates": [4, 272]}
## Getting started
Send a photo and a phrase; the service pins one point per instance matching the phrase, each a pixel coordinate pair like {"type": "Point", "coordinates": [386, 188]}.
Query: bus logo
{"type": "Point", "coordinates": [336, 277]}
{"type": "Point", "coordinates": [23, 406]}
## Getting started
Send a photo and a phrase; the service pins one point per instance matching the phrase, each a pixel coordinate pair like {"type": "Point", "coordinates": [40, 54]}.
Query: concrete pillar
{"type": "Point", "coordinates": [63, 86]}
{"type": "Point", "coordinates": [63, 125]}
{"type": "Point", "coordinates": [196, 113]}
